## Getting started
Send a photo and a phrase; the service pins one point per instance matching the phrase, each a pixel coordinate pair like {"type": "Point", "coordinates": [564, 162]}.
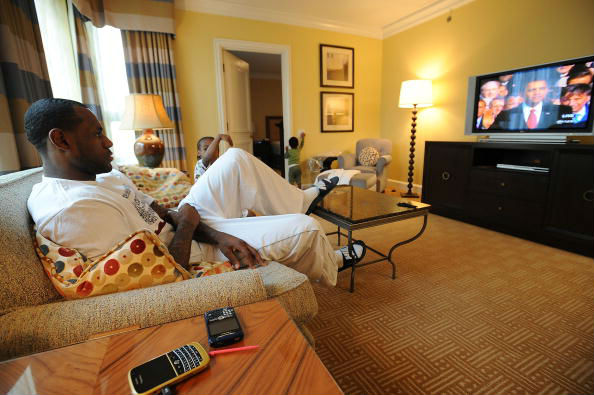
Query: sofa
{"type": "Point", "coordinates": [34, 317]}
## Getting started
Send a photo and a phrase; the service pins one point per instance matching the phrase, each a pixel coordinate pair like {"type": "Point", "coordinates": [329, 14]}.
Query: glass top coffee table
{"type": "Point", "coordinates": [353, 208]}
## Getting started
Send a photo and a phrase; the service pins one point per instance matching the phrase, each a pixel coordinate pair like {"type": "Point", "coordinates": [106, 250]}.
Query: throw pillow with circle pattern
{"type": "Point", "coordinates": [369, 156]}
{"type": "Point", "coordinates": [141, 260]}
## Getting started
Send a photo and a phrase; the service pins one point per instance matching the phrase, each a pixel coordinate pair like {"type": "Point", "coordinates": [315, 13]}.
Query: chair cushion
{"type": "Point", "coordinates": [369, 156]}
{"type": "Point", "coordinates": [364, 180]}
{"type": "Point", "coordinates": [139, 261]}
{"type": "Point", "coordinates": [168, 186]}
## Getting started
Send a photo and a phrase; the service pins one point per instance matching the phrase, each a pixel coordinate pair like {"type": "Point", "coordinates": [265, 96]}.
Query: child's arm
{"type": "Point", "coordinates": [208, 157]}
{"type": "Point", "coordinates": [302, 140]}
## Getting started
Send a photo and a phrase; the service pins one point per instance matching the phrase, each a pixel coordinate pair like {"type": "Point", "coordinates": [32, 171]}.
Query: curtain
{"type": "Point", "coordinates": [142, 15]}
{"type": "Point", "coordinates": [23, 80]}
{"type": "Point", "coordinates": [88, 79]}
{"type": "Point", "coordinates": [150, 68]}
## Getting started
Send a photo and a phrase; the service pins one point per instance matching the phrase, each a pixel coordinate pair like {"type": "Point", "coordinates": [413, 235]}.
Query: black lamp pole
{"type": "Point", "coordinates": [411, 162]}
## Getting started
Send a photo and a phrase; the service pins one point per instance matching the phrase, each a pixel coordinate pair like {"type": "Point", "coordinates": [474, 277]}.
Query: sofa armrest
{"type": "Point", "coordinates": [39, 328]}
{"type": "Point", "coordinates": [382, 163]}
{"type": "Point", "coordinates": [346, 161]}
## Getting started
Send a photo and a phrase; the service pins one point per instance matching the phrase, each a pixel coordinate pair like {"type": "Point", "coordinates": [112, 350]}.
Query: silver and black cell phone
{"type": "Point", "coordinates": [168, 369]}
{"type": "Point", "coordinates": [223, 327]}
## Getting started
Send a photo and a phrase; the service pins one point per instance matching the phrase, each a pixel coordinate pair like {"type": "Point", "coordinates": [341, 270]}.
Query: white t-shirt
{"type": "Point", "coordinates": [93, 216]}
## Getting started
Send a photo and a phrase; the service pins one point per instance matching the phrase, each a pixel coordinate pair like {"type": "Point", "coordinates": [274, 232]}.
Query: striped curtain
{"type": "Point", "coordinates": [150, 68]}
{"type": "Point", "coordinates": [141, 15]}
{"type": "Point", "coordinates": [23, 80]}
{"type": "Point", "coordinates": [88, 80]}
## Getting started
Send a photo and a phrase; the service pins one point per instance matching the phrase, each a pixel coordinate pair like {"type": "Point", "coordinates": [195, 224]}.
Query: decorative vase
{"type": "Point", "coordinates": [149, 149]}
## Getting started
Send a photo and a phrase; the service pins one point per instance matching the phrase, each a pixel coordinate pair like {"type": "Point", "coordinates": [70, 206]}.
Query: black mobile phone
{"type": "Point", "coordinates": [168, 369]}
{"type": "Point", "coordinates": [223, 327]}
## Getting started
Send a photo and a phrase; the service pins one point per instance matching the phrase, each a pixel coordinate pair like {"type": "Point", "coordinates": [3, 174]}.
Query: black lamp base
{"type": "Point", "coordinates": [409, 195]}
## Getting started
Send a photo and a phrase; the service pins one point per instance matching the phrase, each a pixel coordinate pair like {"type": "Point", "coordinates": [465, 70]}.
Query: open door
{"type": "Point", "coordinates": [238, 114]}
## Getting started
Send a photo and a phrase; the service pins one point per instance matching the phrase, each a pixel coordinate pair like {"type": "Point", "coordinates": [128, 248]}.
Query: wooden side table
{"type": "Point", "coordinates": [284, 363]}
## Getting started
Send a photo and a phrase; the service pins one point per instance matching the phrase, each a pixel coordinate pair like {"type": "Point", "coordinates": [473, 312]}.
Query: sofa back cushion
{"type": "Point", "coordinates": [22, 280]}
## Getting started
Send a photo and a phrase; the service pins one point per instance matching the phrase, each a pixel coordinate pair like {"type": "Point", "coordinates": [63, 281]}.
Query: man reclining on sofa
{"type": "Point", "coordinates": [80, 195]}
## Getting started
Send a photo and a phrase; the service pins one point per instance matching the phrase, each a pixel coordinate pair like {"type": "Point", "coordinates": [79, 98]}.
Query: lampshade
{"type": "Point", "coordinates": [144, 111]}
{"type": "Point", "coordinates": [417, 92]}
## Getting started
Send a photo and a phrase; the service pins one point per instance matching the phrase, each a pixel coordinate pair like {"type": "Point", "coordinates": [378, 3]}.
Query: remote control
{"type": "Point", "coordinates": [408, 205]}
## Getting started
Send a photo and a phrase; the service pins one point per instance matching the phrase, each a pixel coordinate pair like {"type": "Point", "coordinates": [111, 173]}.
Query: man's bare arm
{"type": "Point", "coordinates": [186, 220]}
{"type": "Point", "coordinates": [236, 250]}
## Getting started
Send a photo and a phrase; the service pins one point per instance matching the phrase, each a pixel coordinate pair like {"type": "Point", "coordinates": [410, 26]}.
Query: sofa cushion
{"type": "Point", "coordinates": [18, 261]}
{"type": "Point", "coordinates": [40, 328]}
{"type": "Point", "coordinates": [168, 186]}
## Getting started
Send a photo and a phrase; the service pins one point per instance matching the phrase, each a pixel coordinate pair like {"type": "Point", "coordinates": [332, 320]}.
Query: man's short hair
{"type": "Point", "coordinates": [47, 114]}
{"type": "Point", "coordinates": [578, 88]}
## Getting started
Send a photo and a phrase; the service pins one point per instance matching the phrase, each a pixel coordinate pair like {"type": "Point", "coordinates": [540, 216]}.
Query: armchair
{"type": "Point", "coordinates": [364, 180]}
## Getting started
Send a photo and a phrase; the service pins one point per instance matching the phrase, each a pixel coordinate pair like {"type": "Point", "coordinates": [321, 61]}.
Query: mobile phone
{"type": "Point", "coordinates": [168, 369]}
{"type": "Point", "coordinates": [223, 327]}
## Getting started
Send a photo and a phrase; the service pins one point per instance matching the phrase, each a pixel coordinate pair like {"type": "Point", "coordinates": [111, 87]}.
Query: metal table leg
{"type": "Point", "coordinates": [403, 243]}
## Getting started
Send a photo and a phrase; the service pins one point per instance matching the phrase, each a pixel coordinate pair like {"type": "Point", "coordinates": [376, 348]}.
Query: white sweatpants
{"type": "Point", "coordinates": [238, 181]}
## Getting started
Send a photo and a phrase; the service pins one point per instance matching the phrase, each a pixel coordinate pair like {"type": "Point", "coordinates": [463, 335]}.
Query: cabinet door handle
{"type": "Point", "coordinates": [588, 195]}
{"type": "Point", "coordinates": [499, 208]}
{"type": "Point", "coordinates": [502, 183]}
{"type": "Point", "coordinates": [445, 176]}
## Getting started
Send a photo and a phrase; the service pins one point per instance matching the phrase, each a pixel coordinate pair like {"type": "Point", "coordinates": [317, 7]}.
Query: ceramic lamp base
{"type": "Point", "coordinates": [149, 149]}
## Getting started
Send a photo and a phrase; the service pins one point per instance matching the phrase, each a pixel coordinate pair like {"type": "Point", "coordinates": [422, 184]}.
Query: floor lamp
{"type": "Point", "coordinates": [146, 112]}
{"type": "Point", "coordinates": [414, 94]}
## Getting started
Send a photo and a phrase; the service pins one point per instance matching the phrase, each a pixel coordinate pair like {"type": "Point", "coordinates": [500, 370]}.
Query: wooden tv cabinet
{"type": "Point", "coordinates": [462, 181]}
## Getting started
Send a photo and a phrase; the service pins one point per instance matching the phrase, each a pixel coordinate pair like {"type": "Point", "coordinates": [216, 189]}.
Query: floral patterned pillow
{"type": "Point", "coordinates": [168, 186]}
{"type": "Point", "coordinates": [139, 261]}
{"type": "Point", "coordinates": [369, 156]}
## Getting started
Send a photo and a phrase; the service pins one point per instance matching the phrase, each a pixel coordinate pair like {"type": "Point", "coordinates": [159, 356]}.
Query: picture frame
{"type": "Point", "coordinates": [337, 112]}
{"type": "Point", "coordinates": [337, 66]}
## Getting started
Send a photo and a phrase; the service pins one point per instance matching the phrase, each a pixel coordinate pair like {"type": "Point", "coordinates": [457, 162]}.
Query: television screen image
{"type": "Point", "coordinates": [553, 98]}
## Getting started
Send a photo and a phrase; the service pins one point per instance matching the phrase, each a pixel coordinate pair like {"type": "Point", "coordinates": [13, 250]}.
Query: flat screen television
{"type": "Point", "coordinates": [547, 102]}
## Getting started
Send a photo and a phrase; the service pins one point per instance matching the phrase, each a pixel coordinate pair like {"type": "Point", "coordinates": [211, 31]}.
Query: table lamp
{"type": "Point", "coordinates": [146, 112]}
{"type": "Point", "coordinates": [413, 94]}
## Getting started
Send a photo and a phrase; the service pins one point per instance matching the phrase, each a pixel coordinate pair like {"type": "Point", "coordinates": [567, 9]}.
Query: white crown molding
{"type": "Point", "coordinates": [261, 14]}
{"type": "Point", "coordinates": [424, 14]}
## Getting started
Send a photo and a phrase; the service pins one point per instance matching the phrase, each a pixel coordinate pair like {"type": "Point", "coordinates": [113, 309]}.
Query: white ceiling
{"type": "Point", "coordinates": [371, 18]}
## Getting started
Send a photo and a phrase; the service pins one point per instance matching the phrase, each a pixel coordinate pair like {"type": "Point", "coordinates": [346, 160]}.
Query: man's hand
{"type": "Point", "coordinates": [238, 251]}
{"type": "Point", "coordinates": [227, 138]}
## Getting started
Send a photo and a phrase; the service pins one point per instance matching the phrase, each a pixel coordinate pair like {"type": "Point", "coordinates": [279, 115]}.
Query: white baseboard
{"type": "Point", "coordinates": [402, 185]}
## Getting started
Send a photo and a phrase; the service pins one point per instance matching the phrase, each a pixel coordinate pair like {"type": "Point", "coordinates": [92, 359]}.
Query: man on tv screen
{"type": "Point", "coordinates": [536, 112]}
{"type": "Point", "coordinates": [577, 96]}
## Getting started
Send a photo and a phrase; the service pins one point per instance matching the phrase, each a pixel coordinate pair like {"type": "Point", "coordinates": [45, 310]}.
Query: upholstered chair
{"type": "Point", "coordinates": [366, 180]}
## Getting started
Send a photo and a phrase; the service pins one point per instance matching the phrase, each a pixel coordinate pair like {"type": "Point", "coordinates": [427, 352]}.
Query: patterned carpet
{"type": "Point", "coordinates": [472, 311]}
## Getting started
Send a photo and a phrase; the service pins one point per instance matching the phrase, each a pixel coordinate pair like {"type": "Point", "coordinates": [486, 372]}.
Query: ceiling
{"type": "Point", "coordinates": [371, 18]}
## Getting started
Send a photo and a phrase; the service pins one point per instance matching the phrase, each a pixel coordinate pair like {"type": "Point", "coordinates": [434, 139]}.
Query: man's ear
{"type": "Point", "coordinates": [57, 137]}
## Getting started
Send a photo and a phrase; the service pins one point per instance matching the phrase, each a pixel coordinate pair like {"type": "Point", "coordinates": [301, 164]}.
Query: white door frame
{"type": "Point", "coordinates": [250, 46]}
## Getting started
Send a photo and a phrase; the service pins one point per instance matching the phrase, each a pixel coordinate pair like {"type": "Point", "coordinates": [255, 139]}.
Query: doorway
{"type": "Point", "coordinates": [269, 64]}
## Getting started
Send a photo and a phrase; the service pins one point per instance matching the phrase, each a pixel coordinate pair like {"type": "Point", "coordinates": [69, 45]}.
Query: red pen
{"type": "Point", "coordinates": [215, 352]}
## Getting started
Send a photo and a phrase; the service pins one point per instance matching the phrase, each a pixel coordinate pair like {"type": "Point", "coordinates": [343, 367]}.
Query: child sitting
{"type": "Point", "coordinates": [208, 152]}
{"type": "Point", "coordinates": [293, 156]}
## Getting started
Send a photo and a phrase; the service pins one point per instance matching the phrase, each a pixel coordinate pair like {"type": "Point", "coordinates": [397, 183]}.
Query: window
{"type": "Point", "coordinates": [107, 52]}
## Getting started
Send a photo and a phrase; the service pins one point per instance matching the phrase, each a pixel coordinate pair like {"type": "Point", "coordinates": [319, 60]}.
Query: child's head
{"type": "Point", "coordinates": [203, 145]}
{"type": "Point", "coordinates": [293, 142]}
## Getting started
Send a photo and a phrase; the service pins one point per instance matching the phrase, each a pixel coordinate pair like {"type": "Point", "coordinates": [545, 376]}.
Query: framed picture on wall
{"type": "Point", "coordinates": [337, 111]}
{"type": "Point", "coordinates": [337, 65]}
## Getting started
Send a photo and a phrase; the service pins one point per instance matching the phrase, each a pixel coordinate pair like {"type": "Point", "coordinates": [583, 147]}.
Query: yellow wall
{"type": "Point", "coordinates": [266, 96]}
{"type": "Point", "coordinates": [194, 57]}
{"type": "Point", "coordinates": [483, 36]}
